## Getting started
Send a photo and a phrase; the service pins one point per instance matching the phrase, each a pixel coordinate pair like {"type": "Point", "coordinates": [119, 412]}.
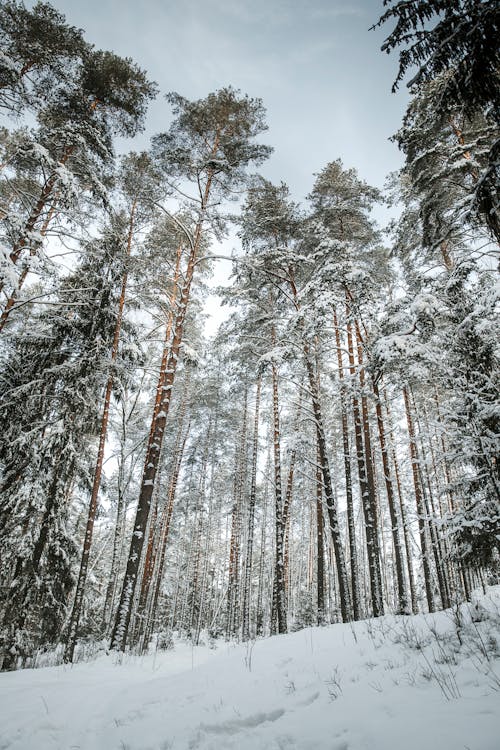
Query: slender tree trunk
{"type": "Point", "coordinates": [452, 570]}
{"type": "Point", "coordinates": [366, 487]}
{"type": "Point", "coordinates": [183, 562]}
{"type": "Point", "coordinates": [351, 524]}
{"type": "Point", "coordinates": [431, 515]}
{"type": "Point", "coordinates": [200, 524]}
{"type": "Point", "coordinates": [115, 560]}
{"type": "Point", "coordinates": [404, 520]}
{"type": "Point", "coordinates": [152, 573]}
{"type": "Point", "coordinates": [159, 560]}
{"type": "Point", "coordinates": [247, 584]}
{"type": "Point", "coordinates": [331, 506]}
{"type": "Point", "coordinates": [235, 542]}
{"type": "Point", "coordinates": [434, 537]}
{"type": "Point", "coordinates": [37, 210]}
{"type": "Point", "coordinates": [345, 605]}
{"type": "Point", "coordinates": [259, 627]}
{"type": "Point", "coordinates": [288, 499]}
{"type": "Point", "coordinates": [320, 556]}
{"type": "Point", "coordinates": [446, 467]}
{"type": "Point", "coordinates": [403, 605]}
{"type": "Point", "coordinates": [279, 529]}
{"type": "Point", "coordinates": [419, 503]}
{"type": "Point", "coordinates": [378, 609]}
{"type": "Point", "coordinates": [204, 614]}
{"type": "Point", "coordinates": [22, 278]}
{"type": "Point", "coordinates": [155, 533]}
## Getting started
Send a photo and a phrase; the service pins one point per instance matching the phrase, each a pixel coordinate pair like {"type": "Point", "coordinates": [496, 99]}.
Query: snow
{"type": "Point", "coordinates": [190, 353]}
{"type": "Point", "coordinates": [8, 271]}
{"type": "Point", "coordinates": [387, 684]}
{"type": "Point", "coordinates": [42, 153]}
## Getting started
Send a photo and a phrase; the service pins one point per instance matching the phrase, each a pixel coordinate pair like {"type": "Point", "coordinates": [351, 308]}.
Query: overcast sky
{"type": "Point", "coordinates": [316, 66]}
{"type": "Point", "coordinates": [319, 70]}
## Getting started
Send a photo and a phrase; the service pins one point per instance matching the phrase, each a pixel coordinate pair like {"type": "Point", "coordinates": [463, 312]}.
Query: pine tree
{"type": "Point", "coordinates": [461, 51]}
{"type": "Point", "coordinates": [463, 41]}
{"type": "Point", "coordinates": [72, 148]}
{"type": "Point", "coordinates": [447, 156]}
{"type": "Point", "coordinates": [139, 188]}
{"type": "Point", "coordinates": [53, 379]}
{"type": "Point", "coordinates": [39, 52]}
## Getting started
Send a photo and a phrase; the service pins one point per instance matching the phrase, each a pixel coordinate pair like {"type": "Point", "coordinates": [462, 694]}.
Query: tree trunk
{"type": "Point", "coordinates": [11, 301]}
{"type": "Point", "coordinates": [159, 561]}
{"type": "Point", "coordinates": [366, 487]}
{"type": "Point", "coordinates": [345, 605]}
{"type": "Point", "coordinates": [403, 605]}
{"type": "Point", "coordinates": [156, 531]}
{"type": "Point", "coordinates": [234, 546]}
{"type": "Point", "coordinates": [158, 534]}
{"type": "Point", "coordinates": [419, 503]}
{"type": "Point", "coordinates": [288, 500]}
{"type": "Point", "coordinates": [431, 516]}
{"type": "Point", "coordinates": [247, 583]}
{"type": "Point", "coordinates": [404, 521]}
{"type": "Point", "coordinates": [320, 556]}
{"type": "Point", "coordinates": [279, 529]}
{"type": "Point", "coordinates": [351, 524]}
{"type": "Point", "coordinates": [36, 211]}
{"type": "Point", "coordinates": [259, 625]}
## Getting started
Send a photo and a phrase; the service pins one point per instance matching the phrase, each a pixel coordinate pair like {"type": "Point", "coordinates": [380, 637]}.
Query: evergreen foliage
{"type": "Point", "coordinates": [52, 380]}
{"type": "Point", "coordinates": [463, 42]}
{"type": "Point", "coordinates": [459, 57]}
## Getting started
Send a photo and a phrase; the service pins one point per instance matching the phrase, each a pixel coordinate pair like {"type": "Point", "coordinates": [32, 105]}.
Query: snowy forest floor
{"type": "Point", "coordinates": [395, 683]}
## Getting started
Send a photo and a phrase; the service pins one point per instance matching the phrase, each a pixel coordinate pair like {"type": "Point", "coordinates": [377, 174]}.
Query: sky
{"type": "Point", "coordinates": [319, 70]}
{"type": "Point", "coordinates": [323, 80]}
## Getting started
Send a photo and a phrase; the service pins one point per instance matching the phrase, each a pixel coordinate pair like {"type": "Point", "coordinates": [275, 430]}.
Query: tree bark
{"type": "Point", "coordinates": [36, 211]}
{"type": "Point", "coordinates": [279, 528]}
{"type": "Point", "coordinates": [351, 523]}
{"type": "Point", "coordinates": [419, 503]}
{"type": "Point", "coordinates": [320, 547]}
{"type": "Point", "coordinates": [366, 486]}
{"type": "Point", "coordinates": [247, 583]}
{"type": "Point", "coordinates": [235, 542]}
{"type": "Point", "coordinates": [403, 605]}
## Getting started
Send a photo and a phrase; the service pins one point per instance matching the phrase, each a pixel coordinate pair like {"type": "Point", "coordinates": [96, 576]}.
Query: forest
{"type": "Point", "coordinates": [330, 454]}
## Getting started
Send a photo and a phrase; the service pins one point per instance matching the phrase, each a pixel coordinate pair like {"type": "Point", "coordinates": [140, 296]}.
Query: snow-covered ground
{"type": "Point", "coordinates": [396, 683]}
